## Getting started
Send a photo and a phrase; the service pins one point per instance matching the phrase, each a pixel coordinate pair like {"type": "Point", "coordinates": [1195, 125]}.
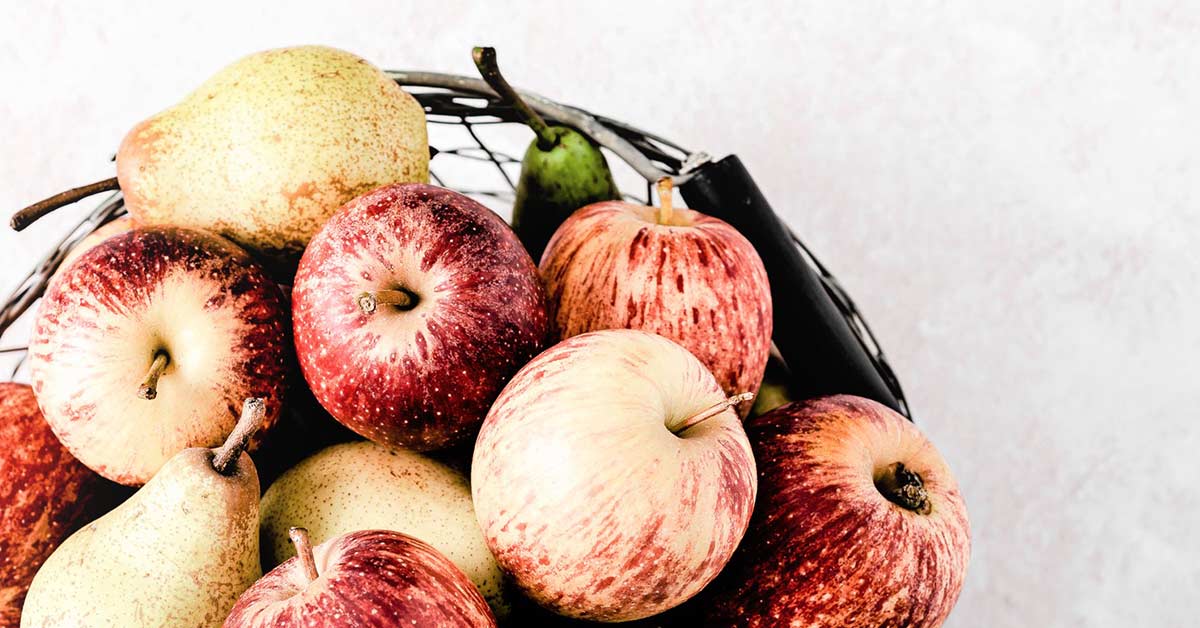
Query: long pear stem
{"type": "Point", "coordinates": [299, 537]}
{"type": "Point", "coordinates": [713, 410]}
{"type": "Point", "coordinates": [489, 69]}
{"type": "Point", "coordinates": [30, 214]}
{"type": "Point", "coordinates": [149, 386]}
{"type": "Point", "coordinates": [368, 302]}
{"type": "Point", "coordinates": [225, 457]}
{"type": "Point", "coordinates": [665, 207]}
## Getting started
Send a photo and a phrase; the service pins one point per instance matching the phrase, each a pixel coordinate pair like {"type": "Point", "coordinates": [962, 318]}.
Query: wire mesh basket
{"type": "Point", "coordinates": [473, 140]}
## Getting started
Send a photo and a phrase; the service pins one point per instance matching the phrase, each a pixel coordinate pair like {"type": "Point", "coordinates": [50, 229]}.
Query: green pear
{"type": "Point", "coordinates": [269, 147]}
{"type": "Point", "coordinates": [177, 553]}
{"type": "Point", "coordinates": [363, 486]}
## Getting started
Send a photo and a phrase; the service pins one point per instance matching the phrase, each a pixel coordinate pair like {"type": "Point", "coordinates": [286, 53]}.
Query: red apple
{"type": "Point", "coordinates": [611, 478]}
{"type": "Point", "coordinates": [366, 578]}
{"type": "Point", "coordinates": [675, 272]}
{"type": "Point", "coordinates": [147, 344]}
{"type": "Point", "coordinates": [860, 524]}
{"type": "Point", "coordinates": [45, 494]}
{"type": "Point", "coordinates": [412, 307]}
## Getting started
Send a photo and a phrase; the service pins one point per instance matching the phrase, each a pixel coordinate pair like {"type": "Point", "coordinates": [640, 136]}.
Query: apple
{"type": "Point", "coordinates": [45, 492]}
{"type": "Point", "coordinates": [147, 344]}
{"type": "Point", "coordinates": [860, 524]}
{"type": "Point", "coordinates": [612, 478]}
{"type": "Point", "coordinates": [412, 307]}
{"type": "Point", "coordinates": [675, 272]}
{"type": "Point", "coordinates": [102, 233]}
{"type": "Point", "coordinates": [364, 578]}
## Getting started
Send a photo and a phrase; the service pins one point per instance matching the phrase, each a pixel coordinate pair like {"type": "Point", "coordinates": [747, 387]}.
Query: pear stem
{"type": "Point", "coordinates": [665, 207]}
{"type": "Point", "coordinates": [299, 537]}
{"type": "Point", "coordinates": [489, 69]}
{"type": "Point", "coordinates": [30, 214]}
{"type": "Point", "coordinates": [225, 457]}
{"type": "Point", "coordinates": [712, 411]}
{"type": "Point", "coordinates": [904, 488]}
{"type": "Point", "coordinates": [149, 387]}
{"type": "Point", "coordinates": [368, 302]}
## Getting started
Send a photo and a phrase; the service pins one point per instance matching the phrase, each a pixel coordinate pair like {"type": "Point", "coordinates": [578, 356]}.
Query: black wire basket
{"type": "Point", "coordinates": [819, 332]}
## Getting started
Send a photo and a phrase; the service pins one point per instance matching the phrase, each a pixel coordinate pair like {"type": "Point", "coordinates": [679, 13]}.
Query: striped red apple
{"type": "Point", "coordinates": [675, 272]}
{"type": "Point", "coordinates": [859, 523]}
{"type": "Point", "coordinates": [612, 479]}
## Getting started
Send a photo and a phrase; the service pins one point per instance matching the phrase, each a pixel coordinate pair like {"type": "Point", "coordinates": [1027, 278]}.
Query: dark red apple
{"type": "Point", "coordinates": [45, 494]}
{"type": "Point", "coordinates": [411, 308]}
{"type": "Point", "coordinates": [674, 272]}
{"type": "Point", "coordinates": [366, 578]}
{"type": "Point", "coordinates": [859, 524]}
{"type": "Point", "coordinates": [147, 344]}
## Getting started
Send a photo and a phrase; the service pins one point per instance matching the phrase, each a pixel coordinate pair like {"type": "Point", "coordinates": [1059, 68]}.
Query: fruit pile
{"type": "Point", "coordinates": [289, 299]}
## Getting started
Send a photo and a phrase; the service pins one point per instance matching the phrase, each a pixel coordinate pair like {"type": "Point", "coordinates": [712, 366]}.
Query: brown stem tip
{"type": "Point", "coordinates": [299, 537]}
{"type": "Point", "coordinates": [489, 69]}
{"type": "Point", "coordinates": [713, 410]}
{"type": "Point", "coordinates": [149, 387]}
{"type": "Point", "coordinates": [30, 214]}
{"type": "Point", "coordinates": [225, 457]}
{"type": "Point", "coordinates": [904, 488]}
{"type": "Point", "coordinates": [368, 302]}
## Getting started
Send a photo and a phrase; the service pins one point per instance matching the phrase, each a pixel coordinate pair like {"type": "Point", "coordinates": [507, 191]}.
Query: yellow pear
{"type": "Point", "coordinates": [177, 553]}
{"type": "Point", "coordinates": [268, 148]}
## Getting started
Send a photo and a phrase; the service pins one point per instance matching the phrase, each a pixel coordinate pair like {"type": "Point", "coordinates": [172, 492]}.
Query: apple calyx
{"type": "Point", "coordinates": [225, 457]}
{"type": "Point", "coordinates": [904, 488]}
{"type": "Point", "coordinates": [368, 302]}
{"type": "Point", "coordinates": [712, 411]}
{"type": "Point", "coordinates": [299, 537]}
{"type": "Point", "coordinates": [489, 69]}
{"type": "Point", "coordinates": [666, 188]}
{"type": "Point", "coordinates": [149, 387]}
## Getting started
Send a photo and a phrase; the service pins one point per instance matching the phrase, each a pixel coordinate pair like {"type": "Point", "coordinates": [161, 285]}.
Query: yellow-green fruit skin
{"type": "Point", "coordinates": [178, 553]}
{"type": "Point", "coordinates": [269, 147]}
{"type": "Point", "coordinates": [364, 486]}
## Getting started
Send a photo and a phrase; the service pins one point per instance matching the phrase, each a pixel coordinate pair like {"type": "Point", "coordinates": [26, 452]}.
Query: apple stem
{"type": "Point", "coordinates": [713, 410]}
{"type": "Point", "coordinates": [225, 457]}
{"type": "Point", "coordinates": [904, 488]}
{"type": "Point", "coordinates": [489, 69]}
{"type": "Point", "coordinates": [149, 387]}
{"type": "Point", "coordinates": [30, 214]}
{"type": "Point", "coordinates": [368, 302]}
{"type": "Point", "coordinates": [665, 208]}
{"type": "Point", "coordinates": [299, 537]}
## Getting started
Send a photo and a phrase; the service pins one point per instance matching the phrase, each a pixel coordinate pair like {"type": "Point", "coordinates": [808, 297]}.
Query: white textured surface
{"type": "Point", "coordinates": [1012, 194]}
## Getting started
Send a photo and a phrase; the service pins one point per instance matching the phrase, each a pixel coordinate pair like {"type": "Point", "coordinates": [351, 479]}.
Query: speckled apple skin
{"type": "Point", "coordinates": [177, 554]}
{"type": "Point", "coordinates": [423, 378]}
{"type": "Point", "coordinates": [102, 233]}
{"type": "Point", "coordinates": [364, 486]}
{"type": "Point", "coordinates": [45, 494]}
{"type": "Point", "coordinates": [585, 495]}
{"type": "Point", "coordinates": [269, 147]}
{"type": "Point", "coordinates": [193, 294]}
{"type": "Point", "coordinates": [825, 549]}
{"type": "Point", "coordinates": [368, 578]}
{"type": "Point", "coordinates": [696, 281]}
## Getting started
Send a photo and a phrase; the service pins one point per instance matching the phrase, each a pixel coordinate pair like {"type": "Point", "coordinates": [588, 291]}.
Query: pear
{"type": "Point", "coordinates": [178, 552]}
{"type": "Point", "coordinates": [364, 486]}
{"type": "Point", "coordinates": [270, 146]}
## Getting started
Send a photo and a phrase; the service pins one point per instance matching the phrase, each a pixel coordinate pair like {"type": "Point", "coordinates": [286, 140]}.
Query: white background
{"type": "Point", "coordinates": [1012, 194]}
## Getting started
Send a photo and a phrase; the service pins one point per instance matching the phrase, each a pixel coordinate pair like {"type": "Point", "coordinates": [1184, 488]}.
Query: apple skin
{"type": "Point", "coordinates": [366, 578]}
{"type": "Point", "coordinates": [826, 549]}
{"type": "Point", "coordinates": [421, 378]}
{"type": "Point", "coordinates": [45, 492]}
{"type": "Point", "coordinates": [194, 295]}
{"type": "Point", "coordinates": [588, 499]}
{"type": "Point", "coordinates": [696, 281]}
{"type": "Point", "coordinates": [102, 233]}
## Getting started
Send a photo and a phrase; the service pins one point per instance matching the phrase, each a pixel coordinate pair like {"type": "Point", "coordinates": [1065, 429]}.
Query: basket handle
{"type": "Point", "coordinates": [816, 341]}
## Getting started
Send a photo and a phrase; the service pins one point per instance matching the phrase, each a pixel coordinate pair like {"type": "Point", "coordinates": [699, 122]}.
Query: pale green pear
{"type": "Point", "coordinates": [363, 486]}
{"type": "Point", "coordinates": [269, 147]}
{"type": "Point", "coordinates": [177, 553]}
